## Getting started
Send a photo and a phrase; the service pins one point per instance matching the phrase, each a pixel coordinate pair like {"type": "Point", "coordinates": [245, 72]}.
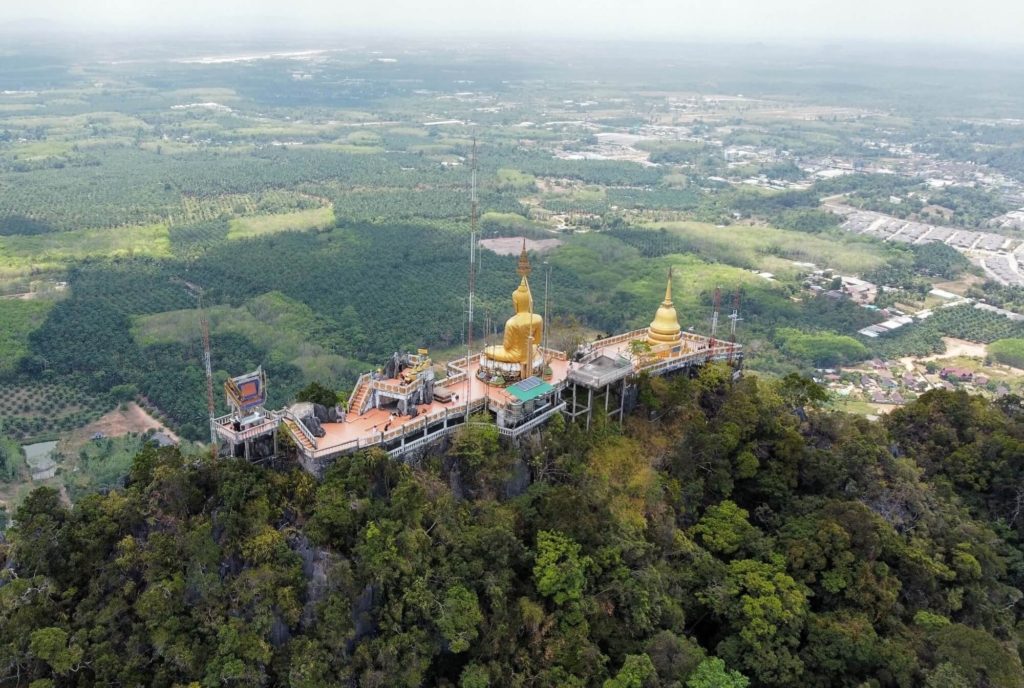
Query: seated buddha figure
{"type": "Point", "coordinates": [515, 346]}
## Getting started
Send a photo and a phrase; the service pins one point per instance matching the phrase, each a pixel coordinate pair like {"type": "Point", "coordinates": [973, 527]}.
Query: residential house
{"type": "Point", "coordinates": [956, 374]}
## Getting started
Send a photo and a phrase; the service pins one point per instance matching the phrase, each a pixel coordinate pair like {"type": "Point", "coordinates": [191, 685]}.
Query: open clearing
{"type": "Point", "coordinates": [511, 246]}
{"type": "Point", "coordinates": [752, 246]}
{"type": "Point", "coordinates": [298, 221]}
{"type": "Point", "coordinates": [954, 348]}
{"type": "Point", "coordinates": [59, 247]}
{"type": "Point", "coordinates": [131, 419]}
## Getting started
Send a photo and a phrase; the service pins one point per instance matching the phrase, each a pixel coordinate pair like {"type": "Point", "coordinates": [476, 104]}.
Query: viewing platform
{"type": "Point", "coordinates": [405, 405]}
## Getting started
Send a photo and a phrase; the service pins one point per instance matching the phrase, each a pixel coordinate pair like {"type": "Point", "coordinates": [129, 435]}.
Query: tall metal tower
{"type": "Point", "coordinates": [473, 239]}
{"type": "Point", "coordinates": [734, 318]}
{"type": "Point", "coordinates": [714, 316]}
{"type": "Point", "coordinates": [204, 324]}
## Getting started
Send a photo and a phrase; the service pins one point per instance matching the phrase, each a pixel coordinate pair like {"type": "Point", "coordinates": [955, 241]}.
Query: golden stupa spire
{"type": "Point", "coordinates": [524, 268]}
{"type": "Point", "coordinates": [665, 328]}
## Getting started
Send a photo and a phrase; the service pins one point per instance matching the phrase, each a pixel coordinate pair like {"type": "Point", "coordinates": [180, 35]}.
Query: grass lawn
{"type": "Point", "coordinates": [271, 321]}
{"type": "Point", "coordinates": [761, 247]}
{"type": "Point", "coordinates": [19, 317]}
{"type": "Point", "coordinates": [59, 247]}
{"type": "Point", "coordinates": [297, 221]}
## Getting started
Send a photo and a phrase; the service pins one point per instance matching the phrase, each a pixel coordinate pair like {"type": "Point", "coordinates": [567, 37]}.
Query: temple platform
{"type": "Point", "coordinates": [404, 406]}
{"type": "Point", "coordinates": [602, 375]}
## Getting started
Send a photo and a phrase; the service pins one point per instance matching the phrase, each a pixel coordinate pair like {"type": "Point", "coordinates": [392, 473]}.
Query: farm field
{"type": "Point", "coordinates": [298, 221]}
{"type": "Point", "coordinates": [323, 209]}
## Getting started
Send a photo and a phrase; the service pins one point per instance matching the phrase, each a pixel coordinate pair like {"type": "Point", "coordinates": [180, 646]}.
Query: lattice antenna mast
{"type": "Point", "coordinates": [473, 239]}
{"type": "Point", "coordinates": [714, 316]}
{"type": "Point", "coordinates": [734, 319]}
{"type": "Point", "coordinates": [204, 325]}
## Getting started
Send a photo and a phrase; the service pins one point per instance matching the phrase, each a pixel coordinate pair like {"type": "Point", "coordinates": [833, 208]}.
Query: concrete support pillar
{"type": "Point", "coordinates": [590, 405]}
{"type": "Point", "coordinates": [622, 402]}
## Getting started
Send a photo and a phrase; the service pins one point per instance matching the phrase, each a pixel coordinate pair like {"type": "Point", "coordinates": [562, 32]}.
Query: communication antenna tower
{"type": "Point", "coordinates": [204, 324]}
{"type": "Point", "coordinates": [714, 316]}
{"type": "Point", "coordinates": [734, 318]}
{"type": "Point", "coordinates": [204, 327]}
{"type": "Point", "coordinates": [473, 239]}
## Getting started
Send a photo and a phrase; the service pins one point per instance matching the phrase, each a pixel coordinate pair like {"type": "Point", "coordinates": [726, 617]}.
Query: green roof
{"type": "Point", "coordinates": [530, 388]}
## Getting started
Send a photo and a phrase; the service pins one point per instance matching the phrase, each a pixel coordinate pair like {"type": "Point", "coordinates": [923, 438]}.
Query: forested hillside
{"type": "Point", "coordinates": [731, 534]}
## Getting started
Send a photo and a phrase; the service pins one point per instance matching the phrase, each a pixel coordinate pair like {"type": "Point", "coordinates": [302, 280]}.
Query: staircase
{"type": "Point", "coordinates": [359, 395]}
{"type": "Point", "coordinates": [297, 434]}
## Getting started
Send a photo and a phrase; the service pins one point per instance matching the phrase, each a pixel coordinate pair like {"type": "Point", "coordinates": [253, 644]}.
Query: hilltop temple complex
{"type": "Point", "coordinates": [404, 406]}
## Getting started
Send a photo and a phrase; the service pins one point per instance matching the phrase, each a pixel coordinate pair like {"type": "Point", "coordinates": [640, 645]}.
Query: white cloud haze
{"type": "Point", "coordinates": [911, 21]}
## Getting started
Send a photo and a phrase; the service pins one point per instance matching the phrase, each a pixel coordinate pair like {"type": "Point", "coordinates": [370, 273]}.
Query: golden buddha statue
{"type": "Point", "coordinates": [523, 330]}
{"type": "Point", "coordinates": [664, 329]}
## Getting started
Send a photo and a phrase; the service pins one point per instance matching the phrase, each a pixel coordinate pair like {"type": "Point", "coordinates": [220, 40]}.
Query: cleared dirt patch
{"type": "Point", "coordinates": [511, 246]}
{"type": "Point", "coordinates": [116, 423]}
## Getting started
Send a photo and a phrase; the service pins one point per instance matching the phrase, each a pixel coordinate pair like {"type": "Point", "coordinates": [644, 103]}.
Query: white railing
{"type": "Point", "coordinates": [363, 379]}
{"type": "Point", "coordinates": [533, 423]}
{"type": "Point", "coordinates": [624, 337]}
{"type": "Point", "coordinates": [302, 427]}
{"type": "Point", "coordinates": [394, 388]}
{"type": "Point", "coordinates": [553, 353]}
{"type": "Point", "coordinates": [225, 428]}
{"type": "Point", "coordinates": [411, 428]}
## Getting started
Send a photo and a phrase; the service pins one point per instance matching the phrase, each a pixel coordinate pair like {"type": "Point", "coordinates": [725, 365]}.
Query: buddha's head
{"type": "Point", "coordinates": [522, 299]}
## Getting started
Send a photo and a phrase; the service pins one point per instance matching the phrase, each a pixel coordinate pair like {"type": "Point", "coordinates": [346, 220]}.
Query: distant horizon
{"type": "Point", "coordinates": [173, 39]}
{"type": "Point", "coordinates": [989, 25]}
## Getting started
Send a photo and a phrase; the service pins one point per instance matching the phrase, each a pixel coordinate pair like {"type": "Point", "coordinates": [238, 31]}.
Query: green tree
{"type": "Point", "coordinates": [636, 671]}
{"type": "Point", "coordinates": [559, 571]}
{"type": "Point", "coordinates": [712, 673]}
{"type": "Point", "coordinates": [724, 528]}
{"type": "Point", "coordinates": [318, 394]}
{"type": "Point", "coordinates": [51, 645]}
{"type": "Point", "coordinates": [460, 617]}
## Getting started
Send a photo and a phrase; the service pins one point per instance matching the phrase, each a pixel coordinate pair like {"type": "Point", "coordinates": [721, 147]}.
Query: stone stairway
{"type": "Point", "coordinates": [297, 434]}
{"type": "Point", "coordinates": [355, 404]}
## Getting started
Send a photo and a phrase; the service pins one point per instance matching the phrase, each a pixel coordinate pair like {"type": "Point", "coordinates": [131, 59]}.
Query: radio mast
{"type": "Point", "coordinates": [473, 229]}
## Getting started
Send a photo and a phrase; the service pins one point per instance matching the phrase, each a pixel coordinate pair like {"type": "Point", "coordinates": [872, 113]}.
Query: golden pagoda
{"type": "Point", "coordinates": [523, 332]}
{"type": "Point", "coordinates": [664, 329]}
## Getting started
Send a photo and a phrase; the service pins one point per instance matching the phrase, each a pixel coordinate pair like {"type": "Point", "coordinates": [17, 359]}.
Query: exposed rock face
{"type": "Point", "coordinates": [316, 566]}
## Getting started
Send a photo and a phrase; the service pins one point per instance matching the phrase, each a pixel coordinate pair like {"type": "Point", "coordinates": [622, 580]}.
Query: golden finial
{"type": "Point", "coordinates": [524, 262]}
{"type": "Point", "coordinates": [668, 289]}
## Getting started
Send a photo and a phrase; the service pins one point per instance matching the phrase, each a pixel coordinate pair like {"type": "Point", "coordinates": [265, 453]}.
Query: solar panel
{"type": "Point", "coordinates": [528, 384]}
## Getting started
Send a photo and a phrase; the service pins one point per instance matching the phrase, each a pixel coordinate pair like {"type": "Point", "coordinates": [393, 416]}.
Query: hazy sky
{"type": "Point", "coordinates": [916, 21]}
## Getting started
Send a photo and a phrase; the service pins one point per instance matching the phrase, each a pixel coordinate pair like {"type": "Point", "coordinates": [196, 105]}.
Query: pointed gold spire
{"type": "Point", "coordinates": [664, 329]}
{"type": "Point", "coordinates": [524, 268]}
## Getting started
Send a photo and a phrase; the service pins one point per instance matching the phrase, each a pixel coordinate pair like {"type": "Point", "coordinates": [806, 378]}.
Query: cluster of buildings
{"type": "Point", "coordinates": [520, 384]}
{"type": "Point", "coordinates": [894, 383]}
{"type": "Point", "coordinates": [999, 255]}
